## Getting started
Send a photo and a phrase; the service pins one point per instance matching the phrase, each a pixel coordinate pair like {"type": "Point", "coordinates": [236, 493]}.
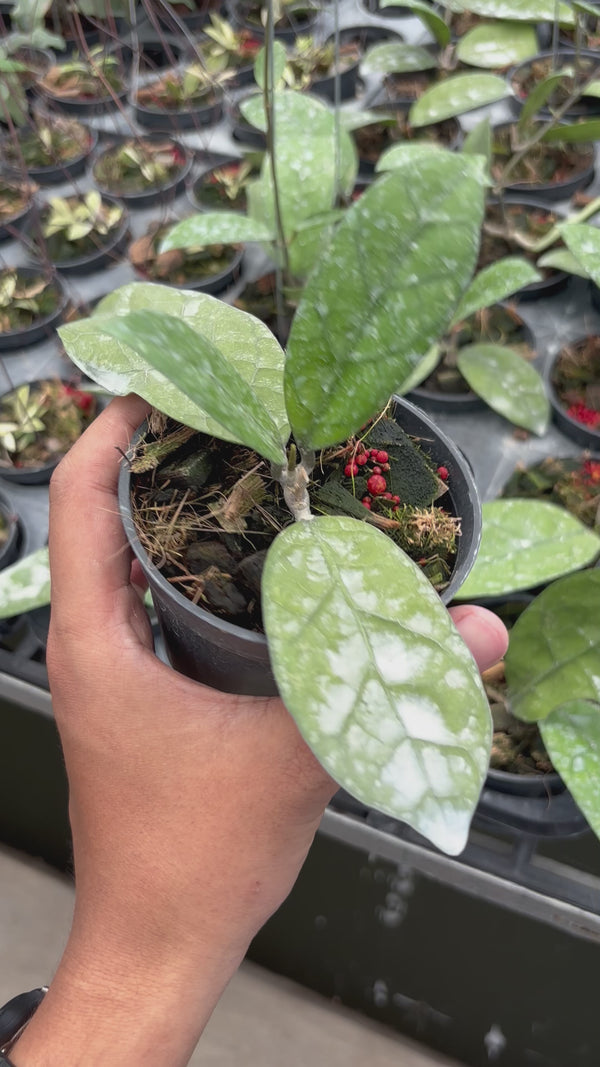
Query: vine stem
{"type": "Point", "coordinates": [269, 98]}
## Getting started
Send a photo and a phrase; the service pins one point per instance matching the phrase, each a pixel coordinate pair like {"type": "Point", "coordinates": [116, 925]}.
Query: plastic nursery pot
{"type": "Point", "coordinates": [545, 63]}
{"type": "Point", "coordinates": [578, 420]}
{"type": "Point", "coordinates": [204, 193]}
{"type": "Point", "coordinates": [193, 17]}
{"type": "Point", "coordinates": [241, 129]}
{"type": "Point", "coordinates": [145, 261]}
{"type": "Point", "coordinates": [107, 251]}
{"type": "Point", "coordinates": [553, 280]}
{"type": "Point", "coordinates": [58, 171]}
{"type": "Point", "coordinates": [372, 140]}
{"type": "Point", "coordinates": [13, 224]}
{"type": "Point", "coordinates": [82, 106]}
{"type": "Point", "coordinates": [579, 165]}
{"type": "Point", "coordinates": [9, 533]}
{"type": "Point", "coordinates": [374, 8]}
{"type": "Point", "coordinates": [461, 403]}
{"type": "Point", "coordinates": [149, 195]}
{"type": "Point", "coordinates": [152, 54]}
{"type": "Point", "coordinates": [235, 660]}
{"type": "Point", "coordinates": [30, 473]}
{"type": "Point", "coordinates": [152, 116]}
{"type": "Point", "coordinates": [40, 327]}
{"type": "Point", "coordinates": [324, 86]}
{"type": "Point", "coordinates": [246, 13]}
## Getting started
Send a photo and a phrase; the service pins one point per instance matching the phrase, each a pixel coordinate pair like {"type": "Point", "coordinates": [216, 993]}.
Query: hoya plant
{"type": "Point", "coordinates": [364, 654]}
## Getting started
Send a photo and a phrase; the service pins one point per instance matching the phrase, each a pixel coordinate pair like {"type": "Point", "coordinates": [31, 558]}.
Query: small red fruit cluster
{"type": "Point", "coordinates": [587, 416]}
{"type": "Point", "coordinates": [84, 401]}
{"type": "Point", "coordinates": [378, 460]}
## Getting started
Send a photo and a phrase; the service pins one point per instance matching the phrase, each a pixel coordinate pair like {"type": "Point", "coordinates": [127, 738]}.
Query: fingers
{"type": "Point", "coordinates": [89, 557]}
{"type": "Point", "coordinates": [483, 632]}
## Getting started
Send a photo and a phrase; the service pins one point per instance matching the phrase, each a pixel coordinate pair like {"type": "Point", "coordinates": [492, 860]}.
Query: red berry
{"type": "Point", "coordinates": [376, 470]}
{"type": "Point", "coordinates": [382, 457]}
{"type": "Point", "coordinates": [350, 470]}
{"type": "Point", "coordinates": [395, 507]}
{"type": "Point", "coordinates": [366, 500]}
{"type": "Point", "coordinates": [385, 467]}
{"type": "Point", "coordinates": [387, 496]}
{"type": "Point", "coordinates": [374, 453]}
{"type": "Point", "coordinates": [443, 473]}
{"type": "Point", "coordinates": [396, 499]}
{"type": "Point", "coordinates": [376, 485]}
{"type": "Point", "coordinates": [361, 459]}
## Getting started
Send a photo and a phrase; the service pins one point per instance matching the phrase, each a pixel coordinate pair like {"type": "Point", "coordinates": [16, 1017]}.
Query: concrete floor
{"type": "Point", "coordinates": [262, 1020]}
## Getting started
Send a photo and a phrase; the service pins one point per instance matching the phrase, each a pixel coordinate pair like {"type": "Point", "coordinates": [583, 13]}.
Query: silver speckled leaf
{"type": "Point", "coordinates": [243, 341]}
{"type": "Point", "coordinates": [554, 651]}
{"type": "Point", "coordinates": [525, 543]}
{"type": "Point", "coordinates": [457, 95]}
{"type": "Point", "coordinates": [494, 283]}
{"type": "Point", "coordinates": [508, 383]}
{"type": "Point", "coordinates": [498, 45]}
{"type": "Point", "coordinates": [571, 735]}
{"type": "Point", "coordinates": [583, 241]}
{"type": "Point", "coordinates": [381, 685]}
{"type": "Point", "coordinates": [382, 293]}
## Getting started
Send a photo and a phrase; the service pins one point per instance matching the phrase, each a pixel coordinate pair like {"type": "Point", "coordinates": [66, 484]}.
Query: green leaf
{"type": "Point", "coordinates": [400, 154]}
{"type": "Point", "coordinates": [423, 369]}
{"type": "Point", "coordinates": [378, 680]}
{"type": "Point", "coordinates": [196, 367]}
{"type": "Point", "coordinates": [495, 283]}
{"type": "Point", "coordinates": [279, 64]}
{"type": "Point", "coordinates": [519, 10]}
{"type": "Point", "coordinates": [454, 96]}
{"type": "Point", "coordinates": [525, 543]}
{"type": "Point", "coordinates": [478, 141]}
{"type": "Point", "coordinates": [507, 383]}
{"type": "Point", "coordinates": [554, 648]}
{"type": "Point", "coordinates": [540, 94]}
{"type": "Point", "coordinates": [25, 585]}
{"type": "Point", "coordinates": [396, 57]}
{"type": "Point", "coordinates": [215, 227]}
{"type": "Point", "coordinates": [562, 259]}
{"type": "Point", "coordinates": [381, 294]}
{"type": "Point", "coordinates": [573, 134]}
{"type": "Point", "coordinates": [593, 89]}
{"type": "Point", "coordinates": [434, 22]}
{"type": "Point", "coordinates": [497, 44]}
{"type": "Point", "coordinates": [306, 173]}
{"type": "Point", "coordinates": [583, 241]}
{"type": "Point", "coordinates": [571, 735]}
{"type": "Point", "coordinates": [243, 341]}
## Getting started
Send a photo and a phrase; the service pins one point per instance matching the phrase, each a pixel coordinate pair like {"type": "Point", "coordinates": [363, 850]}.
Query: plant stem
{"type": "Point", "coordinates": [268, 95]}
{"type": "Point", "coordinates": [542, 131]}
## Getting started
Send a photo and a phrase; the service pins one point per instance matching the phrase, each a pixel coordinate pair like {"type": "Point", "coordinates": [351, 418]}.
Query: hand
{"type": "Point", "coordinates": [192, 810]}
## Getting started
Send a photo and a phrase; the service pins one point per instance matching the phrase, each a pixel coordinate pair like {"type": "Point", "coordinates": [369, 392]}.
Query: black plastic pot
{"type": "Point", "coordinates": [585, 107]}
{"type": "Point", "coordinates": [9, 228]}
{"type": "Point", "coordinates": [68, 169]}
{"type": "Point", "coordinates": [241, 129]}
{"type": "Point", "coordinates": [458, 403]}
{"type": "Point", "coordinates": [150, 55]}
{"type": "Point", "coordinates": [580, 433]}
{"type": "Point", "coordinates": [211, 650]}
{"type": "Point", "coordinates": [192, 20]}
{"type": "Point", "coordinates": [151, 196]}
{"type": "Point", "coordinates": [236, 10]}
{"type": "Point", "coordinates": [190, 118]}
{"type": "Point", "coordinates": [553, 191]}
{"type": "Point", "coordinates": [10, 549]}
{"type": "Point", "coordinates": [102, 256]}
{"type": "Point", "coordinates": [197, 187]}
{"type": "Point", "coordinates": [555, 280]}
{"type": "Point", "coordinates": [373, 7]}
{"type": "Point", "coordinates": [215, 283]}
{"type": "Point", "coordinates": [29, 475]}
{"type": "Point", "coordinates": [82, 107]}
{"type": "Point", "coordinates": [40, 329]}
{"type": "Point", "coordinates": [449, 130]}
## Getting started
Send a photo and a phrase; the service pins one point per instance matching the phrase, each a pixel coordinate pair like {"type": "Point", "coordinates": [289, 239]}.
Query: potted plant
{"type": "Point", "coordinates": [574, 385]}
{"type": "Point", "coordinates": [206, 268]}
{"type": "Point", "coordinates": [180, 99]}
{"type": "Point", "coordinates": [223, 186]}
{"type": "Point", "coordinates": [564, 79]}
{"type": "Point", "coordinates": [86, 85]}
{"type": "Point", "coordinates": [313, 65]}
{"type": "Point", "coordinates": [571, 481]}
{"type": "Point", "coordinates": [227, 50]}
{"type": "Point", "coordinates": [329, 395]}
{"type": "Point", "coordinates": [550, 170]}
{"type": "Point", "coordinates": [142, 170]}
{"type": "Point", "coordinates": [9, 533]}
{"type": "Point", "coordinates": [31, 303]}
{"type": "Point", "coordinates": [523, 226]}
{"type": "Point", "coordinates": [80, 234]}
{"type": "Point", "coordinates": [39, 421]}
{"type": "Point", "coordinates": [290, 17]}
{"type": "Point", "coordinates": [15, 206]}
{"type": "Point", "coordinates": [50, 150]}
{"type": "Point", "coordinates": [382, 130]}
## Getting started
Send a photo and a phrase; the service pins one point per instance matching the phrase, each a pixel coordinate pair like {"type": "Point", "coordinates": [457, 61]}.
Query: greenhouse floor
{"type": "Point", "coordinates": [262, 1021]}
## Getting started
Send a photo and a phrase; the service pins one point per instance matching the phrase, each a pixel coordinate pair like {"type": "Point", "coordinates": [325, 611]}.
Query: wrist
{"type": "Point", "coordinates": [105, 1005]}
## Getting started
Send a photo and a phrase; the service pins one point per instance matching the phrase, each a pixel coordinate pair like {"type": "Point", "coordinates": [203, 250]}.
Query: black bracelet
{"type": "Point", "coordinates": [14, 1017]}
